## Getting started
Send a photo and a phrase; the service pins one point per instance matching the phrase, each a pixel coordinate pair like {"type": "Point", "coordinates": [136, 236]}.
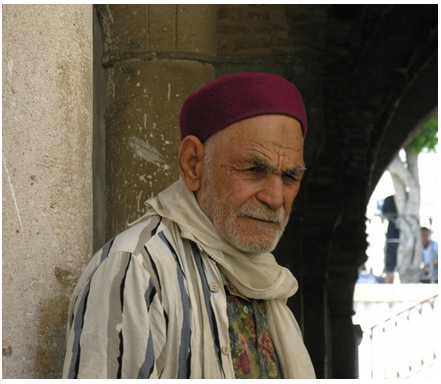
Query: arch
{"type": "Point", "coordinates": [418, 105]}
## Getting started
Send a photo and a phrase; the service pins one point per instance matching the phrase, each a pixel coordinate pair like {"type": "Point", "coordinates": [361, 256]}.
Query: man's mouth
{"type": "Point", "coordinates": [263, 215]}
{"type": "Point", "coordinates": [261, 220]}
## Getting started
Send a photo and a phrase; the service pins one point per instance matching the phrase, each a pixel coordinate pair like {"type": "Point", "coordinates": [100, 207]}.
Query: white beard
{"type": "Point", "coordinates": [225, 220]}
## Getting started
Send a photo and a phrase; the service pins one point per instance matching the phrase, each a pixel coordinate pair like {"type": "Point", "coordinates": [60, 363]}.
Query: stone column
{"type": "Point", "coordinates": [47, 181]}
{"type": "Point", "coordinates": [155, 56]}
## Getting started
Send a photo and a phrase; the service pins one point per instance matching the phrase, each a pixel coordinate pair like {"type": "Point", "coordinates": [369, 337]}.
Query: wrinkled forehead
{"type": "Point", "coordinates": [267, 138]}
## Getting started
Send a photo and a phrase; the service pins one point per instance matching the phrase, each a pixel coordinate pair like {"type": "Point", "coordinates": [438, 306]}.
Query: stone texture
{"type": "Point", "coordinates": [147, 31]}
{"type": "Point", "coordinates": [252, 30]}
{"type": "Point", "coordinates": [143, 134]}
{"type": "Point", "coordinates": [47, 180]}
{"type": "Point", "coordinates": [155, 56]}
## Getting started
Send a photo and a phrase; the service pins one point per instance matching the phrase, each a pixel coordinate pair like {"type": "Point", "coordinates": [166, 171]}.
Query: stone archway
{"type": "Point", "coordinates": [379, 77]}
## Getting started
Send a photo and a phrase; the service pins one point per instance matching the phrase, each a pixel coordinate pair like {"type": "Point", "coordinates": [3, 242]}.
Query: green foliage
{"type": "Point", "coordinates": [427, 139]}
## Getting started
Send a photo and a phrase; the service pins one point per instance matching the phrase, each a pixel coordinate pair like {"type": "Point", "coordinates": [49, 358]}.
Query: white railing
{"type": "Point", "coordinates": [402, 346]}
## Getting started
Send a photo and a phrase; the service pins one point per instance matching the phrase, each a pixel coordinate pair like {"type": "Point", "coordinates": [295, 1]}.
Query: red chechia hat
{"type": "Point", "coordinates": [233, 98]}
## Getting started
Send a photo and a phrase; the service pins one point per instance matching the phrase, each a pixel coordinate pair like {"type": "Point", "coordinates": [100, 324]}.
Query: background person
{"type": "Point", "coordinates": [389, 212]}
{"type": "Point", "coordinates": [430, 257]}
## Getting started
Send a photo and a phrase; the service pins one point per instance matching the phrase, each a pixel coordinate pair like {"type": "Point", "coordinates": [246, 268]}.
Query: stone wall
{"type": "Point", "coordinates": [47, 179]}
{"type": "Point", "coordinates": [155, 56]}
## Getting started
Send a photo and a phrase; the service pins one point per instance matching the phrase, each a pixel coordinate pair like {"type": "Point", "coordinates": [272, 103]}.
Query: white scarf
{"type": "Point", "coordinates": [256, 276]}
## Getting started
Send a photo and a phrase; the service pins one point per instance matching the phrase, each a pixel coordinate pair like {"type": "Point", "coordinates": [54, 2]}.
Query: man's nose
{"type": "Point", "coordinates": [272, 191]}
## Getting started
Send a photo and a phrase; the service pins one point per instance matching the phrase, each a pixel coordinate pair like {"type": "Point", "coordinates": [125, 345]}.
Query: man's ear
{"type": "Point", "coordinates": [191, 162]}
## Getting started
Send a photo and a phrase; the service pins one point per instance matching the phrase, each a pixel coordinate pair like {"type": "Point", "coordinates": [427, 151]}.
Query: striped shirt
{"type": "Point", "coordinates": [136, 311]}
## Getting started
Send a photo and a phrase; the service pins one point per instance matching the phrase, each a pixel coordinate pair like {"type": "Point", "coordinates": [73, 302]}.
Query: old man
{"type": "Point", "coordinates": [191, 289]}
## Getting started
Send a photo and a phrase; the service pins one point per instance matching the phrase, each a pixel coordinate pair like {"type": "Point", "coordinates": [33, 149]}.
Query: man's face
{"type": "Point", "coordinates": [249, 186]}
{"type": "Point", "coordinates": [426, 238]}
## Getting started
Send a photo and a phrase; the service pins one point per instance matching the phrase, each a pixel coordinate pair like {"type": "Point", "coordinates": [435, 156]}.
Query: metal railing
{"type": "Point", "coordinates": [404, 345]}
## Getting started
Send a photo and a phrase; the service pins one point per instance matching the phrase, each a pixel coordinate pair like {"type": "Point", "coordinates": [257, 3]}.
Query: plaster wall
{"type": "Point", "coordinates": [47, 180]}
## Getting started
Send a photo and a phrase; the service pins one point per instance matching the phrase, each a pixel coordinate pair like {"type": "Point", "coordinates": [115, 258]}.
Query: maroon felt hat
{"type": "Point", "coordinates": [232, 98]}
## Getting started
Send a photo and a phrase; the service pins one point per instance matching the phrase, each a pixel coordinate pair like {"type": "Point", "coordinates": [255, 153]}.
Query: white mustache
{"type": "Point", "coordinates": [262, 213]}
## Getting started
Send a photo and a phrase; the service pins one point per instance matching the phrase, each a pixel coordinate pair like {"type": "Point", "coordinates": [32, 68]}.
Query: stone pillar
{"type": "Point", "coordinates": [155, 56]}
{"type": "Point", "coordinates": [47, 181]}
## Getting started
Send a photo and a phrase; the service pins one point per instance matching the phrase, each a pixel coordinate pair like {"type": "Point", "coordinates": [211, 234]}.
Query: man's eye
{"type": "Point", "coordinates": [255, 171]}
{"type": "Point", "coordinates": [290, 177]}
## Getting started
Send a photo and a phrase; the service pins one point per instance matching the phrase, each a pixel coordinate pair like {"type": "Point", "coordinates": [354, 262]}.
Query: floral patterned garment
{"type": "Point", "coordinates": [252, 350]}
